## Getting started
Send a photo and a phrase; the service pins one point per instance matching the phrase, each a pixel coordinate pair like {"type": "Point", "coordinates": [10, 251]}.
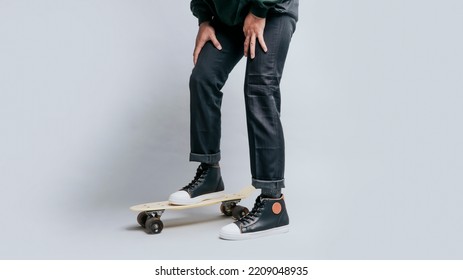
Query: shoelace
{"type": "Point", "coordinates": [200, 174]}
{"type": "Point", "coordinates": [255, 212]}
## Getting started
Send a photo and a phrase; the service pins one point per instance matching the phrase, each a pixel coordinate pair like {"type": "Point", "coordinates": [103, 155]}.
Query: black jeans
{"type": "Point", "coordinates": [262, 98]}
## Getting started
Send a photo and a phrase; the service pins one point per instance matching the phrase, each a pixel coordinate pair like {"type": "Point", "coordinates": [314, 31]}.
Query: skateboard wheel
{"type": "Point", "coordinates": [141, 218]}
{"type": "Point", "coordinates": [226, 209]}
{"type": "Point", "coordinates": [239, 211]}
{"type": "Point", "coordinates": [153, 226]}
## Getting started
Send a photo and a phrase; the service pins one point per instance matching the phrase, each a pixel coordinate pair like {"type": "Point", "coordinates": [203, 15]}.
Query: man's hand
{"type": "Point", "coordinates": [205, 33]}
{"type": "Point", "coordinates": [253, 29]}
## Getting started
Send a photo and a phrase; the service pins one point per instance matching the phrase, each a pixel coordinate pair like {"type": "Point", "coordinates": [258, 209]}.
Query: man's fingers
{"type": "Point", "coordinates": [198, 48]}
{"type": "Point", "coordinates": [246, 45]}
{"type": "Point", "coordinates": [200, 44]}
{"type": "Point", "coordinates": [262, 43]}
{"type": "Point", "coordinates": [252, 46]}
{"type": "Point", "coordinates": [216, 42]}
{"type": "Point", "coordinates": [253, 28]}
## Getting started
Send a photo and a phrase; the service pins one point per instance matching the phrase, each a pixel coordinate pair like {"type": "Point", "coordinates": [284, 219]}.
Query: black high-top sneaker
{"type": "Point", "coordinates": [268, 217]}
{"type": "Point", "coordinates": [206, 184]}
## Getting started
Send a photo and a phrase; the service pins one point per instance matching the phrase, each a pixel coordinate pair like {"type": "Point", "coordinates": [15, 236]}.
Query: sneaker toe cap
{"type": "Point", "coordinates": [230, 229]}
{"type": "Point", "coordinates": [179, 196]}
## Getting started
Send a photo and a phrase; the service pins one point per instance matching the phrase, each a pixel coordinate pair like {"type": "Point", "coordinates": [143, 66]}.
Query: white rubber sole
{"type": "Point", "coordinates": [251, 235]}
{"type": "Point", "coordinates": [194, 200]}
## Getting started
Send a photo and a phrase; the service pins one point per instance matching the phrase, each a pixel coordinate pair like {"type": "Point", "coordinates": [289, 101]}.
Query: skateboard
{"type": "Point", "coordinates": [149, 216]}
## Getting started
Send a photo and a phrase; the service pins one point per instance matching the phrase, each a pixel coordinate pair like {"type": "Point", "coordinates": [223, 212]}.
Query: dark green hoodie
{"type": "Point", "coordinates": [233, 12]}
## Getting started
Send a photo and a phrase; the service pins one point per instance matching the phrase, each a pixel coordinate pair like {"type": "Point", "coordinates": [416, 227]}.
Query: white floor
{"type": "Point", "coordinates": [332, 217]}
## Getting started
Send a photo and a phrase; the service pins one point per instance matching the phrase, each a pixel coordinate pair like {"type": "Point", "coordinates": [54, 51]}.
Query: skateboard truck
{"type": "Point", "coordinates": [151, 221]}
{"type": "Point", "coordinates": [231, 208]}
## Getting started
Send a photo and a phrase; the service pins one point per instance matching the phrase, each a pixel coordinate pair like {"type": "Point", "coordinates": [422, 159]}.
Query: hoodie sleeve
{"type": "Point", "coordinates": [260, 8]}
{"type": "Point", "coordinates": [201, 10]}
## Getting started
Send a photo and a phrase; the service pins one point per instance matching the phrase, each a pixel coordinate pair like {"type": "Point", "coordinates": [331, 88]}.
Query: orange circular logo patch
{"type": "Point", "coordinates": [276, 208]}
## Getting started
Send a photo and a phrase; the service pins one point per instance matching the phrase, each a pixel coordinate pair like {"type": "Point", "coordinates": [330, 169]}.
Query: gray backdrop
{"type": "Point", "coordinates": [94, 118]}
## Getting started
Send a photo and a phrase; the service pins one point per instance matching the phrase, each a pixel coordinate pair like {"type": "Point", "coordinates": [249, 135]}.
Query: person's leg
{"type": "Point", "coordinates": [263, 103]}
{"type": "Point", "coordinates": [266, 141]}
{"type": "Point", "coordinates": [206, 81]}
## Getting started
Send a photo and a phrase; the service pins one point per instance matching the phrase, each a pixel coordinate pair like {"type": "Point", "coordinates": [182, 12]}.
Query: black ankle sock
{"type": "Point", "coordinates": [271, 193]}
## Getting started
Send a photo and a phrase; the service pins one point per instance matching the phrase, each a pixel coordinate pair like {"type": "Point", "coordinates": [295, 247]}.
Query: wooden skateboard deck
{"type": "Point", "coordinates": [150, 213]}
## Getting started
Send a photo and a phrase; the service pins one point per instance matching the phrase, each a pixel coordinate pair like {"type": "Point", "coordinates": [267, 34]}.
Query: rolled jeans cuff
{"type": "Point", "coordinates": [261, 184]}
{"type": "Point", "coordinates": [205, 158]}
